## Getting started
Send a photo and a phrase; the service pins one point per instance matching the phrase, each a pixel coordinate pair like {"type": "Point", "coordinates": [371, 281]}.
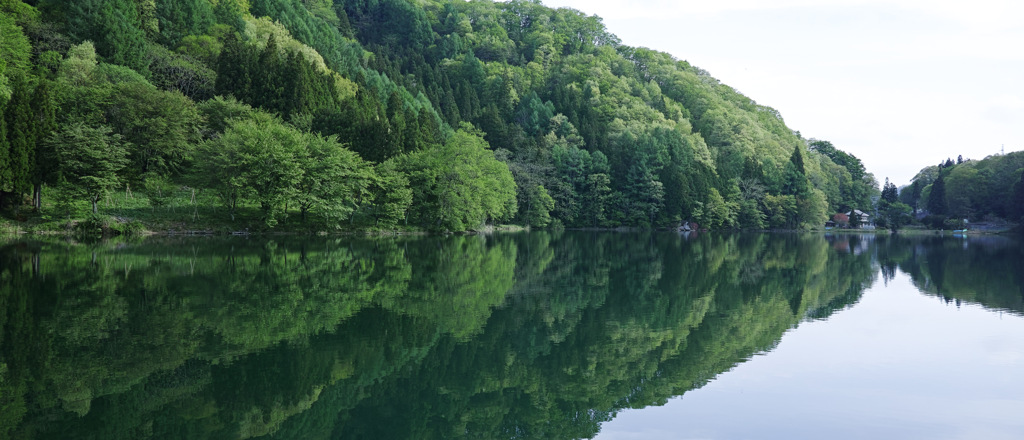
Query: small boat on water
{"type": "Point", "coordinates": [960, 232]}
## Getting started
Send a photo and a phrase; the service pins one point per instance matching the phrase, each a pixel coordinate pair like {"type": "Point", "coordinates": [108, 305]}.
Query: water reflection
{"type": "Point", "coordinates": [985, 270]}
{"type": "Point", "coordinates": [539, 335]}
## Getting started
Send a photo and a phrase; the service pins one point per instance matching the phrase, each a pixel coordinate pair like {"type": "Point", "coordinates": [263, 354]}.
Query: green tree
{"type": "Point", "coordinates": [257, 158]}
{"type": "Point", "coordinates": [890, 194]}
{"type": "Point", "coordinates": [937, 198]}
{"type": "Point", "coordinates": [392, 196]}
{"type": "Point", "coordinates": [113, 24]}
{"type": "Point", "coordinates": [459, 185]}
{"type": "Point", "coordinates": [538, 212]}
{"type": "Point", "coordinates": [47, 166]}
{"type": "Point", "coordinates": [895, 215]}
{"type": "Point", "coordinates": [179, 18]}
{"type": "Point", "coordinates": [21, 138]}
{"type": "Point", "coordinates": [162, 127]}
{"type": "Point", "coordinates": [1017, 212]}
{"type": "Point", "coordinates": [91, 159]}
{"type": "Point", "coordinates": [335, 181]}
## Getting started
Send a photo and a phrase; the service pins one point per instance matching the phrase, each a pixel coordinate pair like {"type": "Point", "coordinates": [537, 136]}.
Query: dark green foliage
{"type": "Point", "coordinates": [180, 18]}
{"type": "Point", "coordinates": [114, 26]}
{"type": "Point", "coordinates": [46, 167]}
{"type": "Point", "coordinates": [20, 139]}
{"type": "Point", "coordinates": [937, 197]}
{"type": "Point", "coordinates": [889, 192]}
{"type": "Point", "coordinates": [176, 72]}
{"type": "Point", "coordinates": [1017, 203]}
{"type": "Point", "coordinates": [6, 173]}
{"type": "Point", "coordinates": [233, 68]}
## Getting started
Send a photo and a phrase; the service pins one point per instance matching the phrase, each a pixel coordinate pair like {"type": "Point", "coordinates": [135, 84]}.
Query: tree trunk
{"type": "Point", "coordinates": [95, 206]}
{"type": "Point", "coordinates": [37, 196]}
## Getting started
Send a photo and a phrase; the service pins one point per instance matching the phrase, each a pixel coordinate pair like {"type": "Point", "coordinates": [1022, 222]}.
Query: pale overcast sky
{"type": "Point", "coordinates": [901, 84]}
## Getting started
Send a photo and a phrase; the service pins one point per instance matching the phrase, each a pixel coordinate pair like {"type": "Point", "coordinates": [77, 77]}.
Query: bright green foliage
{"type": "Point", "coordinates": [854, 184]}
{"type": "Point", "coordinates": [391, 196]}
{"type": "Point", "coordinates": [538, 210]}
{"type": "Point", "coordinates": [751, 202]}
{"type": "Point", "coordinates": [79, 68]}
{"type": "Point", "coordinates": [781, 211]}
{"type": "Point", "coordinates": [971, 189]}
{"type": "Point", "coordinates": [335, 181]}
{"type": "Point", "coordinates": [594, 133]}
{"type": "Point", "coordinates": [459, 185]}
{"type": "Point", "coordinates": [219, 112]}
{"type": "Point", "coordinates": [15, 52]}
{"type": "Point", "coordinates": [258, 158]}
{"type": "Point", "coordinates": [161, 127]}
{"type": "Point", "coordinates": [204, 48]}
{"type": "Point", "coordinates": [91, 159]}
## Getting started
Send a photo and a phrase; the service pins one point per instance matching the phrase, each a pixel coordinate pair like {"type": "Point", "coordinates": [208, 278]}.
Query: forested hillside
{"type": "Point", "coordinates": [435, 114]}
{"type": "Point", "coordinates": [976, 190]}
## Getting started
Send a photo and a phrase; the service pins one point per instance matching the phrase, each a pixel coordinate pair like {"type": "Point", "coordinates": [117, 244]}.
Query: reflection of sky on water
{"type": "Point", "coordinates": [897, 365]}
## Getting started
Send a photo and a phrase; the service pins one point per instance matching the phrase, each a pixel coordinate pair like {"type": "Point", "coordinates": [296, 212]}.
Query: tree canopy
{"type": "Point", "coordinates": [594, 133]}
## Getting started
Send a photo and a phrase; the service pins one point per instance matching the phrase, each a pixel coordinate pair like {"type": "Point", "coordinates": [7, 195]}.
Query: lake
{"type": "Point", "coordinates": [540, 335]}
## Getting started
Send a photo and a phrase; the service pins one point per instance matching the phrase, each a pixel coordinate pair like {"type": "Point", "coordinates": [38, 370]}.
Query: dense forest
{"type": "Point", "coordinates": [434, 114]}
{"type": "Point", "coordinates": [951, 192]}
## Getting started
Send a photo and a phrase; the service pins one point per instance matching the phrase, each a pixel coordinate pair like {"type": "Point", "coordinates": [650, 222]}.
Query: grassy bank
{"type": "Point", "coordinates": [180, 212]}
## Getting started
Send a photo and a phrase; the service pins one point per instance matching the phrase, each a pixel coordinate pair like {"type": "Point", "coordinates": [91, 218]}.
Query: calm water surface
{"type": "Point", "coordinates": [538, 335]}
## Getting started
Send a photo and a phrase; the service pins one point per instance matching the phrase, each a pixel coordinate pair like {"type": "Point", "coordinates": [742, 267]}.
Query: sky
{"type": "Point", "coordinates": [901, 84]}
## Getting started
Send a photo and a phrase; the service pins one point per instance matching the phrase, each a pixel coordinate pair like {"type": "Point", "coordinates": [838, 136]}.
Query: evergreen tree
{"type": "Point", "coordinates": [937, 199]}
{"type": "Point", "coordinates": [233, 68]}
{"type": "Point", "coordinates": [795, 178]}
{"type": "Point", "coordinates": [797, 159]}
{"type": "Point", "coordinates": [21, 137]}
{"type": "Point", "coordinates": [267, 89]}
{"type": "Point", "coordinates": [889, 192]}
{"type": "Point", "coordinates": [179, 18]}
{"type": "Point", "coordinates": [115, 27]}
{"type": "Point", "coordinates": [6, 174]}
{"type": "Point", "coordinates": [1018, 200]}
{"type": "Point", "coordinates": [44, 112]}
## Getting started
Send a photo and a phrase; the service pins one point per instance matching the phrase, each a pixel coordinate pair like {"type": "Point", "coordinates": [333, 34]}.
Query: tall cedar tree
{"type": "Point", "coordinates": [44, 113]}
{"type": "Point", "coordinates": [21, 137]}
{"type": "Point", "coordinates": [937, 198]}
